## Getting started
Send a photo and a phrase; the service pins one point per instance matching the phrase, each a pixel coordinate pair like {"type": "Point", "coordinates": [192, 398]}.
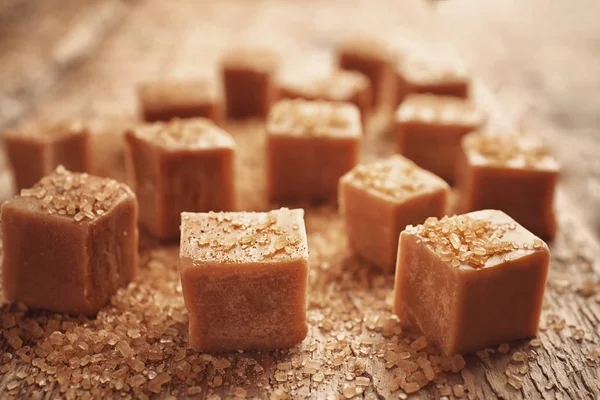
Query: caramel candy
{"type": "Point", "coordinates": [69, 242]}
{"type": "Point", "coordinates": [512, 173]}
{"type": "Point", "coordinates": [165, 100]}
{"type": "Point", "coordinates": [425, 74]}
{"type": "Point", "coordinates": [378, 200]}
{"type": "Point", "coordinates": [341, 85]}
{"type": "Point", "coordinates": [470, 281]}
{"type": "Point", "coordinates": [372, 58]}
{"type": "Point", "coordinates": [244, 277]}
{"type": "Point", "coordinates": [430, 128]}
{"type": "Point", "coordinates": [35, 149]}
{"type": "Point", "coordinates": [310, 145]}
{"type": "Point", "coordinates": [249, 80]}
{"type": "Point", "coordinates": [182, 165]}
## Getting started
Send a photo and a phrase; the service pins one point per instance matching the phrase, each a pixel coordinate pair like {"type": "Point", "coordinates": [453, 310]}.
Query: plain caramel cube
{"type": "Point", "coordinates": [418, 73]}
{"type": "Point", "coordinates": [378, 200]}
{"type": "Point", "coordinates": [244, 277]}
{"type": "Point", "coordinates": [342, 85]}
{"type": "Point", "coordinates": [35, 149]}
{"type": "Point", "coordinates": [430, 129]}
{"type": "Point", "coordinates": [512, 173]}
{"type": "Point", "coordinates": [374, 59]}
{"type": "Point", "coordinates": [470, 281]}
{"type": "Point", "coordinates": [69, 242]}
{"type": "Point", "coordinates": [182, 165]}
{"type": "Point", "coordinates": [310, 145]}
{"type": "Point", "coordinates": [249, 81]}
{"type": "Point", "coordinates": [165, 100]}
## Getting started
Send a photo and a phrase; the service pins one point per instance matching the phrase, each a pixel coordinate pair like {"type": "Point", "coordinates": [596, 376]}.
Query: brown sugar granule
{"type": "Point", "coordinates": [461, 240]}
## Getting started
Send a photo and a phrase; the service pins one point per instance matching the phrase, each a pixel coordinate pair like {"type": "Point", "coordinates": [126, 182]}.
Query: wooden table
{"type": "Point", "coordinates": [82, 59]}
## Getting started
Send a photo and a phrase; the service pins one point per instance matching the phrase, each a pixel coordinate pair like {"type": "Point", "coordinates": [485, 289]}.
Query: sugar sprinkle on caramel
{"type": "Point", "coordinates": [196, 132]}
{"type": "Point", "coordinates": [396, 181]}
{"type": "Point", "coordinates": [461, 240]}
{"type": "Point", "coordinates": [439, 109]}
{"type": "Point", "coordinates": [509, 150]}
{"type": "Point", "coordinates": [75, 194]}
{"type": "Point", "coordinates": [250, 234]}
{"type": "Point", "coordinates": [311, 118]}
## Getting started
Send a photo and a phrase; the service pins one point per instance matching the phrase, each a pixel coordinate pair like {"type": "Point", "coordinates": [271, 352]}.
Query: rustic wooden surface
{"type": "Point", "coordinates": [82, 58]}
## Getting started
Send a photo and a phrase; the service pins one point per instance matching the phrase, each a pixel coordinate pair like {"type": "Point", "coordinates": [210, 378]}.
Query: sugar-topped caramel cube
{"type": "Point", "coordinates": [419, 73]}
{"type": "Point", "coordinates": [470, 281]}
{"type": "Point", "coordinates": [34, 149]}
{"type": "Point", "coordinates": [430, 128]}
{"type": "Point", "coordinates": [165, 100]}
{"type": "Point", "coordinates": [310, 145]}
{"type": "Point", "coordinates": [182, 165]}
{"type": "Point", "coordinates": [373, 58]}
{"type": "Point", "coordinates": [244, 277]}
{"type": "Point", "coordinates": [378, 200]}
{"type": "Point", "coordinates": [342, 85]}
{"type": "Point", "coordinates": [69, 242]}
{"type": "Point", "coordinates": [513, 173]}
{"type": "Point", "coordinates": [249, 75]}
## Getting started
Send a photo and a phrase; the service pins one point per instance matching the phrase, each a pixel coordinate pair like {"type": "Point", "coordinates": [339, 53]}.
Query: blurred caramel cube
{"type": "Point", "coordinates": [378, 200]}
{"type": "Point", "coordinates": [470, 281]}
{"type": "Point", "coordinates": [430, 128]}
{"type": "Point", "coordinates": [373, 58]}
{"type": "Point", "coordinates": [244, 277]}
{"type": "Point", "coordinates": [513, 173]}
{"type": "Point", "coordinates": [417, 73]}
{"type": "Point", "coordinates": [342, 85]}
{"type": "Point", "coordinates": [310, 145]}
{"type": "Point", "coordinates": [249, 81]}
{"type": "Point", "coordinates": [182, 165]}
{"type": "Point", "coordinates": [69, 242]}
{"type": "Point", "coordinates": [34, 149]}
{"type": "Point", "coordinates": [165, 100]}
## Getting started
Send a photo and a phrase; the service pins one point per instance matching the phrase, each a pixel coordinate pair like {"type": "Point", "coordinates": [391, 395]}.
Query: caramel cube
{"type": "Point", "coordinates": [182, 165]}
{"type": "Point", "coordinates": [310, 145]}
{"type": "Point", "coordinates": [249, 81]}
{"type": "Point", "coordinates": [165, 100]}
{"type": "Point", "coordinates": [470, 281]}
{"type": "Point", "coordinates": [35, 149]}
{"type": "Point", "coordinates": [69, 242]}
{"type": "Point", "coordinates": [342, 85]}
{"type": "Point", "coordinates": [378, 200]}
{"type": "Point", "coordinates": [374, 59]}
{"type": "Point", "coordinates": [244, 277]}
{"type": "Point", "coordinates": [512, 173]}
{"type": "Point", "coordinates": [430, 128]}
{"type": "Point", "coordinates": [426, 74]}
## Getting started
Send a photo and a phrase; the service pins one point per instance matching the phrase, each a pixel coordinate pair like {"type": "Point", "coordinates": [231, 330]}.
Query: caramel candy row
{"type": "Point", "coordinates": [244, 277]}
{"type": "Point", "coordinates": [470, 281]}
{"type": "Point", "coordinates": [36, 149]}
{"type": "Point", "coordinates": [69, 242]}
{"type": "Point", "coordinates": [181, 165]}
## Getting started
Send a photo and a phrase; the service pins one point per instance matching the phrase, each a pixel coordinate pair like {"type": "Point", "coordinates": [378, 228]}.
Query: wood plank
{"type": "Point", "coordinates": [156, 39]}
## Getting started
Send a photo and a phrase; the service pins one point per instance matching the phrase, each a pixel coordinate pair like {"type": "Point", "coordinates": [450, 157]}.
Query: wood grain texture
{"type": "Point", "coordinates": [156, 39]}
